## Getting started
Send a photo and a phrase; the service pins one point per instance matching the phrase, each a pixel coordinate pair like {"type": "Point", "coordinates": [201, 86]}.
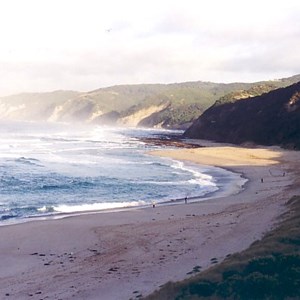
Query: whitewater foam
{"type": "Point", "coordinates": [89, 207]}
{"type": "Point", "coordinates": [53, 168]}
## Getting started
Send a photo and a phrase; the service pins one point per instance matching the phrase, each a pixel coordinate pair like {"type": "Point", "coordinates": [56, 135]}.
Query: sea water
{"type": "Point", "coordinates": [49, 169]}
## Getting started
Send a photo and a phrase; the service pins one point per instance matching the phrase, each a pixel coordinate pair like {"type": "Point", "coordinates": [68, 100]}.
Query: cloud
{"type": "Point", "coordinates": [84, 45]}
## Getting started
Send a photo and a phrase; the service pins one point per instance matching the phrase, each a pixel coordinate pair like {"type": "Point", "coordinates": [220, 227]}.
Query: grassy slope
{"type": "Point", "coordinates": [123, 97]}
{"type": "Point", "coordinates": [268, 269]}
{"type": "Point", "coordinates": [257, 89]}
{"type": "Point", "coordinates": [184, 101]}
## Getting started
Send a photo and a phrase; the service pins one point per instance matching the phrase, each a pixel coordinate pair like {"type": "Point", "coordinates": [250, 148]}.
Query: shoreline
{"type": "Point", "coordinates": [122, 255]}
{"type": "Point", "coordinates": [234, 187]}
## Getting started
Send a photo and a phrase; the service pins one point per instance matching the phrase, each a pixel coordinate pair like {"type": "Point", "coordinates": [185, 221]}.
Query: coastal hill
{"type": "Point", "coordinates": [270, 119]}
{"type": "Point", "coordinates": [174, 105]}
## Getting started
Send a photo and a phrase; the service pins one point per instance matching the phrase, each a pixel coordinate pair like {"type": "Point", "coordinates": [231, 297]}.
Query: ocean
{"type": "Point", "coordinates": [54, 169]}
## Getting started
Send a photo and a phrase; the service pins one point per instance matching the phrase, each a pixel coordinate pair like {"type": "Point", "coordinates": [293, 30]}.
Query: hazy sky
{"type": "Point", "coordinates": [86, 44]}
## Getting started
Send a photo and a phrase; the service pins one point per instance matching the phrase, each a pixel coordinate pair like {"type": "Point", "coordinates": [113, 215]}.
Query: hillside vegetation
{"type": "Point", "coordinates": [174, 105]}
{"type": "Point", "coordinates": [269, 119]}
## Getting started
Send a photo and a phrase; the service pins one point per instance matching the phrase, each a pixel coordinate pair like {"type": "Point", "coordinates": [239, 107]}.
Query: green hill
{"type": "Point", "coordinates": [174, 105]}
{"type": "Point", "coordinates": [269, 119]}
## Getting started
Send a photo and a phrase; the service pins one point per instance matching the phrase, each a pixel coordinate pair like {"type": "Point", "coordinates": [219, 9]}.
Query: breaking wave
{"type": "Point", "coordinates": [50, 169]}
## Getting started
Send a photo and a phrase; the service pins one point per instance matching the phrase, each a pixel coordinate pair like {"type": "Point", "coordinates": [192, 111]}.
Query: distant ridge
{"type": "Point", "coordinates": [269, 119]}
{"type": "Point", "coordinates": [174, 105]}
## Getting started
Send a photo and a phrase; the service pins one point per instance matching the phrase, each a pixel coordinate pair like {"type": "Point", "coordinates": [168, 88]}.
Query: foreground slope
{"type": "Point", "coordinates": [269, 119]}
{"type": "Point", "coordinates": [268, 269]}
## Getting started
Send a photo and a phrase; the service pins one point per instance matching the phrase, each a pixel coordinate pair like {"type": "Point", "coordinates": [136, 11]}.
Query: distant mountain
{"type": "Point", "coordinates": [34, 106]}
{"type": "Point", "coordinates": [270, 119]}
{"type": "Point", "coordinates": [174, 105]}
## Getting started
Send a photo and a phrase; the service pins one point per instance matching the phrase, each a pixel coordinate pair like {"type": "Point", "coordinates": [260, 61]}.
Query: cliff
{"type": "Point", "coordinates": [270, 119]}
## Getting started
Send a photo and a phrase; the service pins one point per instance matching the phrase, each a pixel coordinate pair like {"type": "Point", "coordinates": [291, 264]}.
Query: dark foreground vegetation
{"type": "Point", "coordinates": [268, 269]}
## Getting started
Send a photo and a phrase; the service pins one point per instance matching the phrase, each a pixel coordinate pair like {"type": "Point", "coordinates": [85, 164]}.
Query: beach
{"type": "Point", "coordinates": [130, 253]}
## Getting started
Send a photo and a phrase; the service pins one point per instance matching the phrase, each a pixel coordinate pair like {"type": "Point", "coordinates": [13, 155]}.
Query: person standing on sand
{"type": "Point", "coordinates": [185, 200]}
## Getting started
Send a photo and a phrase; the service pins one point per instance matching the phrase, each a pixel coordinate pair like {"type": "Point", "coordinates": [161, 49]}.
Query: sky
{"type": "Point", "coordinates": [83, 45]}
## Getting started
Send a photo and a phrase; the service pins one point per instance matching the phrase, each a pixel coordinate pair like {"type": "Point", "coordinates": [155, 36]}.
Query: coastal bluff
{"type": "Point", "coordinates": [270, 119]}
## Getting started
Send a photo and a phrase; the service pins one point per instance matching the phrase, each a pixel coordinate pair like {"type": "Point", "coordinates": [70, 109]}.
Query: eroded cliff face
{"type": "Point", "coordinates": [269, 119]}
{"type": "Point", "coordinates": [137, 117]}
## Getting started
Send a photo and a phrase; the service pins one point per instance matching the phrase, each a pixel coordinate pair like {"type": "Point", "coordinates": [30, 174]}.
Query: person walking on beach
{"type": "Point", "coordinates": [185, 200]}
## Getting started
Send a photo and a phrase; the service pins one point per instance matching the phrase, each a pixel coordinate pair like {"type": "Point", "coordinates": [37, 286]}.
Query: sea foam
{"type": "Point", "coordinates": [58, 168]}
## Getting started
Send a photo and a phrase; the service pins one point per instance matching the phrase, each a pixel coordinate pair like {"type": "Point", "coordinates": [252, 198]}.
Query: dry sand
{"type": "Point", "coordinates": [122, 255]}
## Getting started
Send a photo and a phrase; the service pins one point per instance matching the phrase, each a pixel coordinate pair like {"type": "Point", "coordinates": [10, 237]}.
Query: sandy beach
{"type": "Point", "coordinates": [126, 254]}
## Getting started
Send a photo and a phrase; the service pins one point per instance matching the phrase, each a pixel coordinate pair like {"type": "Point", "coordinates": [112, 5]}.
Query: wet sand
{"type": "Point", "coordinates": [125, 254]}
